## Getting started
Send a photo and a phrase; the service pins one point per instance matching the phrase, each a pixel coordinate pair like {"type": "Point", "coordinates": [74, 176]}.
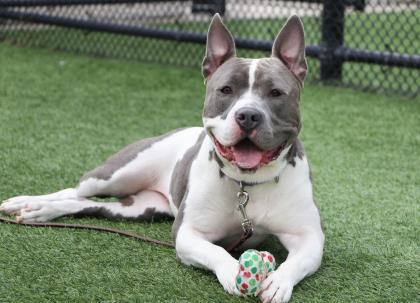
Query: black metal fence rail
{"type": "Point", "coordinates": [335, 29]}
{"type": "Point", "coordinates": [166, 34]}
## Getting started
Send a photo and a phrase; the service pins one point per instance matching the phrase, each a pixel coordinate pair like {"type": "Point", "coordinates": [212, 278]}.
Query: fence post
{"type": "Point", "coordinates": [332, 38]}
{"type": "Point", "coordinates": [209, 6]}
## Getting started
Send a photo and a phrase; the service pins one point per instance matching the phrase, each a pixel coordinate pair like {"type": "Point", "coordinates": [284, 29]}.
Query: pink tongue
{"type": "Point", "coordinates": [247, 155]}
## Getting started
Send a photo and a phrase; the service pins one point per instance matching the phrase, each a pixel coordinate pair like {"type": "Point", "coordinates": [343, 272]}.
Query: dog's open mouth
{"type": "Point", "coordinates": [246, 155]}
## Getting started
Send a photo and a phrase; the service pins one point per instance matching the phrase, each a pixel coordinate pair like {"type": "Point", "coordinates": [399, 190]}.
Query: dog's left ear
{"type": "Point", "coordinates": [289, 47]}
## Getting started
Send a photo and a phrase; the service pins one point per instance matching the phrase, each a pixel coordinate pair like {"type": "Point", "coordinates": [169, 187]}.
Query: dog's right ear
{"type": "Point", "coordinates": [220, 46]}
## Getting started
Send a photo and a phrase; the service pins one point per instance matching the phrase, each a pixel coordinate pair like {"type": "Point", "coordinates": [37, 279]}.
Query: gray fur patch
{"type": "Point", "coordinates": [124, 156]}
{"type": "Point", "coordinates": [233, 73]}
{"type": "Point", "coordinates": [179, 218]}
{"type": "Point", "coordinates": [282, 111]}
{"type": "Point", "coordinates": [296, 150]}
{"type": "Point", "coordinates": [127, 201]}
{"type": "Point", "coordinates": [149, 215]}
{"type": "Point", "coordinates": [179, 181]}
{"type": "Point", "coordinates": [180, 175]}
{"type": "Point", "coordinates": [213, 156]}
{"type": "Point", "coordinates": [313, 198]}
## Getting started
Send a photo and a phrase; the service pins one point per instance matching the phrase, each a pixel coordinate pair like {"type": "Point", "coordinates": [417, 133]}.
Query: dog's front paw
{"type": "Point", "coordinates": [276, 288]}
{"type": "Point", "coordinates": [226, 273]}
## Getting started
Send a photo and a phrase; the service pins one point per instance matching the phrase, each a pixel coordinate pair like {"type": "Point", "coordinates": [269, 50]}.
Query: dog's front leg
{"type": "Point", "coordinates": [193, 249]}
{"type": "Point", "coordinates": [305, 253]}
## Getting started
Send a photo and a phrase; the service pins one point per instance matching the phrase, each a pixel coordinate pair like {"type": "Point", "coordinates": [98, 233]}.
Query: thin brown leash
{"type": "Point", "coordinates": [93, 227]}
{"type": "Point", "coordinates": [242, 196]}
{"type": "Point", "coordinates": [139, 237]}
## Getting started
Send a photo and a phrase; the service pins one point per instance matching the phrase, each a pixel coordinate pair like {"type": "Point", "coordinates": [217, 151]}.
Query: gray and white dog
{"type": "Point", "coordinates": [251, 124]}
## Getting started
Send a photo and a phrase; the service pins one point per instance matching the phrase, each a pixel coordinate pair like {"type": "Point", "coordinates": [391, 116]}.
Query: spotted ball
{"type": "Point", "coordinates": [254, 267]}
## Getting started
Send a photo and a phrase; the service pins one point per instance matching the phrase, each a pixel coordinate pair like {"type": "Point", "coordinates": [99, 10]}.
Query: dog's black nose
{"type": "Point", "coordinates": [248, 118]}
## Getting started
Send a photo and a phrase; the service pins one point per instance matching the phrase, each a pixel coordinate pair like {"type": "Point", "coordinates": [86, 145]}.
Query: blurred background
{"type": "Point", "coordinates": [365, 44]}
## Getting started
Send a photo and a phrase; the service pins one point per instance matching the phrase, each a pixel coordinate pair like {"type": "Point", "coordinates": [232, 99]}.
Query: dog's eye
{"type": "Point", "coordinates": [275, 93]}
{"type": "Point", "coordinates": [227, 90]}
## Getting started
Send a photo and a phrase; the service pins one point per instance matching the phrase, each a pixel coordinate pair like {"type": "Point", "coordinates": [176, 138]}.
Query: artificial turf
{"type": "Point", "coordinates": [62, 114]}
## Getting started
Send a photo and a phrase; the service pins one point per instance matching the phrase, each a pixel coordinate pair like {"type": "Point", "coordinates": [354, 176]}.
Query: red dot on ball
{"type": "Point", "coordinates": [270, 258]}
{"type": "Point", "coordinates": [244, 285]}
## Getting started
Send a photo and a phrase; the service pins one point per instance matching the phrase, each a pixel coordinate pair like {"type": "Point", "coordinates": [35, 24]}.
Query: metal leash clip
{"type": "Point", "coordinates": [243, 198]}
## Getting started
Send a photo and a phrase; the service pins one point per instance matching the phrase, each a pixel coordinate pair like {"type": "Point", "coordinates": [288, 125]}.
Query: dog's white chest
{"type": "Point", "coordinates": [214, 208]}
{"type": "Point", "coordinates": [274, 206]}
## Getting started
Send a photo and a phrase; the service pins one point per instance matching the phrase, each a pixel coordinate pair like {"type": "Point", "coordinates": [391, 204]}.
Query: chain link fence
{"type": "Point", "coordinates": [368, 44]}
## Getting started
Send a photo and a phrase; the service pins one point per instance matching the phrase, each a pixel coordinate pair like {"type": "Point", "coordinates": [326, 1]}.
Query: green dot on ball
{"type": "Point", "coordinates": [248, 263]}
{"type": "Point", "coordinates": [238, 280]}
{"type": "Point", "coordinates": [252, 282]}
{"type": "Point", "coordinates": [254, 270]}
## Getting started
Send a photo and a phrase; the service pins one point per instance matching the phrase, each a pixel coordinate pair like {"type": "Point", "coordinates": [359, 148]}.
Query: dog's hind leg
{"type": "Point", "coordinates": [145, 206]}
{"type": "Point", "coordinates": [139, 170]}
{"type": "Point", "coordinates": [68, 193]}
{"type": "Point", "coordinates": [142, 196]}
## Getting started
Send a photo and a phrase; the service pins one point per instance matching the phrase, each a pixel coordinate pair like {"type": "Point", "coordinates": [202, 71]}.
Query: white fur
{"type": "Point", "coordinates": [227, 130]}
{"type": "Point", "coordinates": [155, 165]}
{"type": "Point", "coordinates": [151, 170]}
{"type": "Point", "coordinates": [62, 194]}
{"type": "Point", "coordinates": [193, 248]}
{"type": "Point", "coordinates": [286, 210]}
{"type": "Point", "coordinates": [252, 69]}
{"type": "Point", "coordinates": [34, 209]}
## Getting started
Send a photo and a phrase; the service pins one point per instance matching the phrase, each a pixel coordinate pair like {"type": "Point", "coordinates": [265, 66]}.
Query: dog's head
{"type": "Point", "coordinates": [251, 109]}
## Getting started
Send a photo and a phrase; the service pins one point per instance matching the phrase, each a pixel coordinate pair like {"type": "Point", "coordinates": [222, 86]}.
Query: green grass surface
{"type": "Point", "coordinates": [61, 115]}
